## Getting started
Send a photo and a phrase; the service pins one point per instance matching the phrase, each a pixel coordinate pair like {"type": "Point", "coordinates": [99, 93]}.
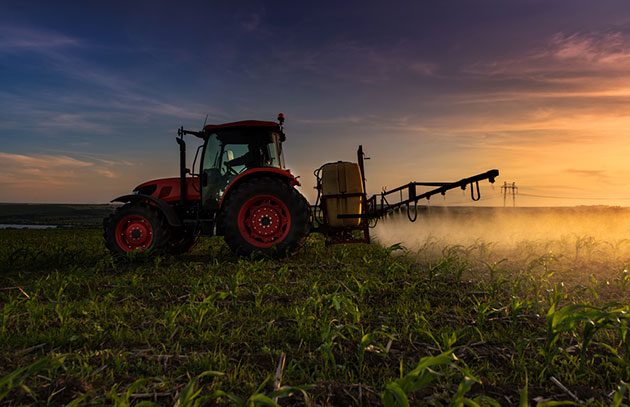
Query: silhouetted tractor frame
{"type": "Point", "coordinates": [251, 199]}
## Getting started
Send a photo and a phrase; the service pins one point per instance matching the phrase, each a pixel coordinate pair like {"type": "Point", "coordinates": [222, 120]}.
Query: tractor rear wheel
{"type": "Point", "coordinates": [265, 216]}
{"type": "Point", "coordinates": [136, 227]}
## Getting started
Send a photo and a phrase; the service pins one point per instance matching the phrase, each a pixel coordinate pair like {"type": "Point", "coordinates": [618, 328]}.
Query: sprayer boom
{"type": "Point", "coordinates": [378, 205]}
{"type": "Point", "coordinates": [345, 206]}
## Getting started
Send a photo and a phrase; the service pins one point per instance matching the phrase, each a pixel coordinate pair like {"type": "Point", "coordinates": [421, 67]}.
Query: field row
{"type": "Point", "coordinates": [342, 325]}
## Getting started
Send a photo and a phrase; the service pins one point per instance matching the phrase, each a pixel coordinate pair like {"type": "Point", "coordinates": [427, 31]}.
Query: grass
{"type": "Point", "coordinates": [443, 325]}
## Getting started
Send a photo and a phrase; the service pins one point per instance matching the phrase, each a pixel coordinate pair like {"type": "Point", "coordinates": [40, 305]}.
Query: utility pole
{"type": "Point", "coordinates": [513, 191]}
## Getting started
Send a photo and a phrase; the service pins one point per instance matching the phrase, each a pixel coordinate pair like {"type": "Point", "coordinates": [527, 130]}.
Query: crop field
{"type": "Point", "coordinates": [452, 310]}
{"type": "Point", "coordinates": [54, 214]}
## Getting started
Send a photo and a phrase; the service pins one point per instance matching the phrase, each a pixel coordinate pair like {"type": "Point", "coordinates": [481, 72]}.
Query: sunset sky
{"type": "Point", "coordinates": [91, 96]}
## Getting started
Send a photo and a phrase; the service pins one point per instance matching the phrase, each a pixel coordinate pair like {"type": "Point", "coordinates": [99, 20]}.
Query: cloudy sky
{"type": "Point", "coordinates": [91, 95]}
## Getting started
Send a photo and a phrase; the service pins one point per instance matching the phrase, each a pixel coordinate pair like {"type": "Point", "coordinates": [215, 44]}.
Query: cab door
{"type": "Point", "coordinates": [213, 181]}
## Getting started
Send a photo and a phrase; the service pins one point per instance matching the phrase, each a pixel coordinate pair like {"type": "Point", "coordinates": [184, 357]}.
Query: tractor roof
{"type": "Point", "coordinates": [245, 124]}
{"type": "Point", "coordinates": [244, 131]}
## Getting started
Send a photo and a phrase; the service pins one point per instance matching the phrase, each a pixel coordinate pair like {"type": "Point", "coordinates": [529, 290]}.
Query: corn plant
{"type": "Point", "coordinates": [397, 393]}
{"type": "Point", "coordinates": [126, 399]}
{"type": "Point", "coordinates": [17, 378]}
{"type": "Point", "coordinates": [590, 319]}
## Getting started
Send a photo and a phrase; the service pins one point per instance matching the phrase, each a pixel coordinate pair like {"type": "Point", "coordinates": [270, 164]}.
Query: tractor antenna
{"type": "Point", "coordinates": [204, 122]}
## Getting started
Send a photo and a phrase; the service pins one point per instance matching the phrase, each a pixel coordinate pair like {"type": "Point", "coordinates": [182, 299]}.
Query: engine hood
{"type": "Point", "coordinates": [167, 189]}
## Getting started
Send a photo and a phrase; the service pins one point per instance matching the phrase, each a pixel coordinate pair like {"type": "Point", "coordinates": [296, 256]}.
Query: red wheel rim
{"type": "Point", "coordinates": [134, 232]}
{"type": "Point", "coordinates": [264, 220]}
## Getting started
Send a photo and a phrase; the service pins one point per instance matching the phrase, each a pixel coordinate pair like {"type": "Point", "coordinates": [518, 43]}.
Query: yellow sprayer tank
{"type": "Point", "coordinates": [338, 179]}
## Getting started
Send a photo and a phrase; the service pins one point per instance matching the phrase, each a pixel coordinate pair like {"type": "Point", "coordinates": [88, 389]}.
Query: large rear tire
{"type": "Point", "coordinates": [136, 227]}
{"type": "Point", "coordinates": [265, 216]}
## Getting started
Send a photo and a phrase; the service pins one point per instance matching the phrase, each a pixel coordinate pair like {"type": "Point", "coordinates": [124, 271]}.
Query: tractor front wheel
{"type": "Point", "coordinates": [136, 227]}
{"type": "Point", "coordinates": [266, 216]}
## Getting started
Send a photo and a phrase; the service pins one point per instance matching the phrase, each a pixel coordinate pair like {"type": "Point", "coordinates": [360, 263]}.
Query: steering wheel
{"type": "Point", "coordinates": [231, 171]}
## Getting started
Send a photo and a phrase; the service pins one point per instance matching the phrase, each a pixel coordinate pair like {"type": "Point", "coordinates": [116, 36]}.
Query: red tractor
{"type": "Point", "coordinates": [243, 192]}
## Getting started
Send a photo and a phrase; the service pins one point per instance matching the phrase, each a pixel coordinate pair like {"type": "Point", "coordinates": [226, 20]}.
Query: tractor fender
{"type": "Point", "coordinates": [166, 209]}
{"type": "Point", "coordinates": [257, 172]}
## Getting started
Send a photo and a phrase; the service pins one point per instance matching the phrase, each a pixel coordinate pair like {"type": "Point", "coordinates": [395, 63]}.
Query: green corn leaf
{"type": "Point", "coordinates": [394, 396]}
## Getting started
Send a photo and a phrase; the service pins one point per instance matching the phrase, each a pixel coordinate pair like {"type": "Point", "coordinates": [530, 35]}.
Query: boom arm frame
{"type": "Point", "coordinates": [378, 205]}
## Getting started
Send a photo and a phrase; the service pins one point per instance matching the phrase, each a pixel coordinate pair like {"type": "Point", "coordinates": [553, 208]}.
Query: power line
{"type": "Point", "coordinates": [484, 197]}
{"type": "Point", "coordinates": [567, 197]}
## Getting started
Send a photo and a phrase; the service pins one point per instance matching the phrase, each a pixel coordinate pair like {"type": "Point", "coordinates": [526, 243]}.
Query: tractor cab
{"type": "Point", "coordinates": [233, 149]}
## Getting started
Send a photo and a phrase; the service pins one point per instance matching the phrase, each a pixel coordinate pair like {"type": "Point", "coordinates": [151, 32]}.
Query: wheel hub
{"type": "Point", "coordinates": [134, 232]}
{"type": "Point", "coordinates": [264, 220]}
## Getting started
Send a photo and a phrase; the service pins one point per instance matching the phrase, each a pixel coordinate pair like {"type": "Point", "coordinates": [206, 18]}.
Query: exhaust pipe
{"type": "Point", "coordinates": [182, 166]}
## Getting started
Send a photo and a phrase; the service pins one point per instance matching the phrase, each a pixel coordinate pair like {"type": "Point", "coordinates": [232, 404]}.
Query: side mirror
{"type": "Point", "coordinates": [229, 155]}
